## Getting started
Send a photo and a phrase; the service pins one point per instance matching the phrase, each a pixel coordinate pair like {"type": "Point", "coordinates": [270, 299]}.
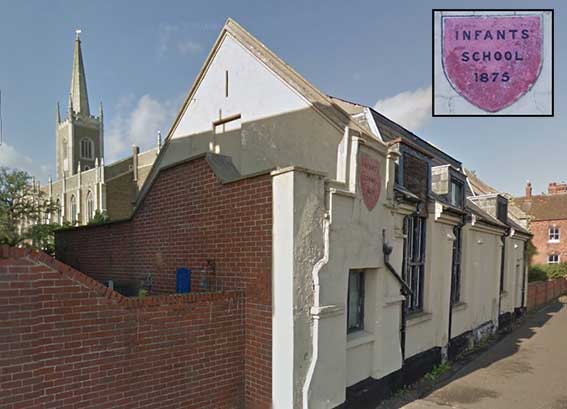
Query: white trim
{"type": "Point", "coordinates": [372, 124]}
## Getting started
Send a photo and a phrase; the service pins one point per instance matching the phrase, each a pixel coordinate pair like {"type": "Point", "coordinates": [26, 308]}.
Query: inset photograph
{"type": "Point", "coordinates": [493, 63]}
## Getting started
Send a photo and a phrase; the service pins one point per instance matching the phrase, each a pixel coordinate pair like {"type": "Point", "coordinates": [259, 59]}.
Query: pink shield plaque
{"type": "Point", "coordinates": [370, 183]}
{"type": "Point", "coordinates": [492, 60]}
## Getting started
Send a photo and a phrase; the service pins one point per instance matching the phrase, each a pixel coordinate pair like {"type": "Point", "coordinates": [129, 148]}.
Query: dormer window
{"type": "Point", "coordinates": [448, 183]}
{"type": "Point", "coordinates": [554, 234]}
{"type": "Point", "coordinates": [87, 149]}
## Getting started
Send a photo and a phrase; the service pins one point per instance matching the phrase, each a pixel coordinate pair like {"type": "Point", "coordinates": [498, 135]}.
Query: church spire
{"type": "Point", "coordinates": [79, 97]}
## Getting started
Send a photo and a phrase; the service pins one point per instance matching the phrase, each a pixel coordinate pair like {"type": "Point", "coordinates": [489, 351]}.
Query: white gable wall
{"type": "Point", "coordinates": [278, 127]}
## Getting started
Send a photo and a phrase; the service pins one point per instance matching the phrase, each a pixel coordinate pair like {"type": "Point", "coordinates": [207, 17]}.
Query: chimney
{"type": "Point", "coordinates": [529, 190]}
{"type": "Point", "coordinates": [556, 188]}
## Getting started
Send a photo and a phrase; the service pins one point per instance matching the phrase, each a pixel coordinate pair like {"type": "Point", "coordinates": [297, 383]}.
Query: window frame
{"type": "Point", "coordinates": [553, 262]}
{"type": "Point", "coordinates": [358, 325]}
{"type": "Point", "coordinates": [553, 234]}
{"type": "Point", "coordinates": [453, 182]}
{"type": "Point", "coordinates": [413, 266]}
{"type": "Point", "coordinates": [87, 142]}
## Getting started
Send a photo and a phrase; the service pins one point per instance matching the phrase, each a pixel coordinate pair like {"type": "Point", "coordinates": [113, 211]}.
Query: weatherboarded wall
{"type": "Point", "coordinates": [67, 341]}
{"type": "Point", "coordinates": [223, 232]}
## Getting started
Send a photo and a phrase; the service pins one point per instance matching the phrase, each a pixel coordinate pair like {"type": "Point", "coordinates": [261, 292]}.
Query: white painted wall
{"type": "Point", "coordinates": [480, 279]}
{"type": "Point", "coordinates": [282, 290]}
{"type": "Point", "coordinates": [513, 279]}
{"type": "Point", "coordinates": [278, 127]}
{"type": "Point", "coordinates": [299, 253]}
{"type": "Point", "coordinates": [429, 329]}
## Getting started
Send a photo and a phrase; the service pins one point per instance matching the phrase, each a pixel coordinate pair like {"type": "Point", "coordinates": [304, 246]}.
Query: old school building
{"type": "Point", "coordinates": [364, 254]}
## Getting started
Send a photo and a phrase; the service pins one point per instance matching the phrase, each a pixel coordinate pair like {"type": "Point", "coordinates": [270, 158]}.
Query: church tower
{"type": "Point", "coordinates": [80, 136]}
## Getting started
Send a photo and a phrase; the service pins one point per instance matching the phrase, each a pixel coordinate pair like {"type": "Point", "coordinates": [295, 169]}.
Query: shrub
{"type": "Point", "coordinates": [542, 272]}
{"type": "Point", "coordinates": [438, 371]}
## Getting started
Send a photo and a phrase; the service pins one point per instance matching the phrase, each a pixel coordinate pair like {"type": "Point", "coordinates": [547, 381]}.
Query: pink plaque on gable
{"type": "Point", "coordinates": [370, 180]}
{"type": "Point", "coordinates": [492, 60]}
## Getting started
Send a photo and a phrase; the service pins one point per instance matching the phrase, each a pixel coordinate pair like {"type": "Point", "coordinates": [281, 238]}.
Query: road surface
{"type": "Point", "coordinates": [525, 370]}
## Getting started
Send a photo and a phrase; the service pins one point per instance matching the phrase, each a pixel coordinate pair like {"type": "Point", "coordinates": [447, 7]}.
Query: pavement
{"type": "Point", "coordinates": [527, 369]}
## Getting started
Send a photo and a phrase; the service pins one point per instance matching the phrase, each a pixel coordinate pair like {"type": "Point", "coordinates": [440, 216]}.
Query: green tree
{"type": "Point", "coordinates": [532, 251]}
{"type": "Point", "coordinates": [23, 207]}
{"type": "Point", "coordinates": [99, 218]}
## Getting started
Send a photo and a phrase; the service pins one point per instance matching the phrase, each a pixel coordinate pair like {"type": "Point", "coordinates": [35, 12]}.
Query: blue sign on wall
{"type": "Point", "coordinates": [183, 280]}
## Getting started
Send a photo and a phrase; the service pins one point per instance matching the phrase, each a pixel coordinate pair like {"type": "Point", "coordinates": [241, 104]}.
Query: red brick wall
{"type": "Point", "coordinates": [187, 218]}
{"type": "Point", "coordinates": [66, 341]}
{"type": "Point", "coordinates": [540, 230]}
{"type": "Point", "coordinates": [543, 292]}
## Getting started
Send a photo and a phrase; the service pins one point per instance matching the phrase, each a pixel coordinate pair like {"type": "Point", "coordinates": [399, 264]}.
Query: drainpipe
{"type": "Point", "coordinates": [502, 267]}
{"type": "Point", "coordinates": [315, 309]}
{"type": "Point", "coordinates": [405, 290]}
{"type": "Point", "coordinates": [524, 301]}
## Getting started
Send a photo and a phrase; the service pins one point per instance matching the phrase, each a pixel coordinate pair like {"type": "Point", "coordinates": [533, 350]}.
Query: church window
{"type": "Point", "coordinates": [90, 205]}
{"type": "Point", "coordinates": [73, 209]}
{"type": "Point", "coordinates": [87, 148]}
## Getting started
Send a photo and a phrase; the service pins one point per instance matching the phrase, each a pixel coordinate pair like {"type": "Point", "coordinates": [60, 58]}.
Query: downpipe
{"type": "Point", "coordinates": [316, 304]}
{"type": "Point", "coordinates": [502, 268]}
{"type": "Point", "coordinates": [405, 290]}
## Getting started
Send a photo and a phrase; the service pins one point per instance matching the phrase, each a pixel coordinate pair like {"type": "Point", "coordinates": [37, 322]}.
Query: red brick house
{"type": "Point", "coordinates": [547, 219]}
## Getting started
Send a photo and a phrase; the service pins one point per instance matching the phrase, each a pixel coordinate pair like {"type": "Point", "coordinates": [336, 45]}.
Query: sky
{"type": "Point", "coordinates": [142, 57]}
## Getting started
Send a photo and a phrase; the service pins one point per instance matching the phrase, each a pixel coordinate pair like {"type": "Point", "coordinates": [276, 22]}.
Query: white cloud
{"type": "Point", "coordinates": [189, 47]}
{"type": "Point", "coordinates": [173, 37]}
{"type": "Point", "coordinates": [137, 124]}
{"type": "Point", "coordinates": [12, 158]}
{"type": "Point", "coordinates": [411, 109]}
{"type": "Point", "coordinates": [166, 32]}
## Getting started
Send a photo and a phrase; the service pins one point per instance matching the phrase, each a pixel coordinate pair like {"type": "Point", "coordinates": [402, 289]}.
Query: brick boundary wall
{"type": "Point", "coordinates": [541, 293]}
{"type": "Point", "coordinates": [67, 341]}
{"type": "Point", "coordinates": [188, 217]}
